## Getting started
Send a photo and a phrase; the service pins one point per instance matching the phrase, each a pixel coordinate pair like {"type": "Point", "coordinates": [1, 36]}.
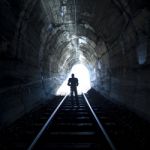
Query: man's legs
{"type": "Point", "coordinates": [71, 97]}
{"type": "Point", "coordinates": [76, 96]}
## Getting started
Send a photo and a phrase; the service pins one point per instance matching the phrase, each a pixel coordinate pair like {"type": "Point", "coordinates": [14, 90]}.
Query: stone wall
{"type": "Point", "coordinates": [22, 87]}
{"type": "Point", "coordinates": [124, 68]}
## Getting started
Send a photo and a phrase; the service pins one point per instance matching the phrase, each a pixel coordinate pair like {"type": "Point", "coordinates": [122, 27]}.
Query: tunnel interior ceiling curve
{"type": "Point", "coordinates": [73, 31]}
{"type": "Point", "coordinates": [70, 22]}
{"type": "Point", "coordinates": [70, 39]}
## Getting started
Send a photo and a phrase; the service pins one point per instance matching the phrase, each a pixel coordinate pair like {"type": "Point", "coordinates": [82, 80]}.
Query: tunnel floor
{"type": "Point", "coordinates": [126, 130]}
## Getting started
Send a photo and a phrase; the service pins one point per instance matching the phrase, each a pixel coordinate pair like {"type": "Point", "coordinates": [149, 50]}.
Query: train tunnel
{"type": "Point", "coordinates": [42, 40]}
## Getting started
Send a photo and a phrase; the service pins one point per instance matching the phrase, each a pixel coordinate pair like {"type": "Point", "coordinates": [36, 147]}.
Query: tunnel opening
{"type": "Point", "coordinates": [83, 75]}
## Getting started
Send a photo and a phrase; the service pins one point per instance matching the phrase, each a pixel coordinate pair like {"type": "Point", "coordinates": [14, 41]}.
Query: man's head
{"type": "Point", "coordinates": [72, 75]}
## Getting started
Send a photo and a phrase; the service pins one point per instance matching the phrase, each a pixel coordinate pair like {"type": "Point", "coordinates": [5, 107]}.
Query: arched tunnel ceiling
{"type": "Point", "coordinates": [71, 31]}
{"type": "Point", "coordinates": [74, 28]}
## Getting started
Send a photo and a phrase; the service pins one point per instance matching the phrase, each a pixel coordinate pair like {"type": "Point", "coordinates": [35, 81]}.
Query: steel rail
{"type": "Point", "coordinates": [46, 125]}
{"type": "Point", "coordinates": [100, 124]}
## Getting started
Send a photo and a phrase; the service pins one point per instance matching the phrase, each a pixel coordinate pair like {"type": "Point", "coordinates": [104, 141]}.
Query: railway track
{"type": "Point", "coordinates": [61, 125]}
{"type": "Point", "coordinates": [72, 127]}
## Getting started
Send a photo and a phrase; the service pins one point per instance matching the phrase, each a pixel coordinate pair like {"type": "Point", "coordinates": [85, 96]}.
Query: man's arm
{"type": "Point", "coordinates": [77, 83]}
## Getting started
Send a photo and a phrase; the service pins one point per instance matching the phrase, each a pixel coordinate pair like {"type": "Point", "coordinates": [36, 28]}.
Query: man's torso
{"type": "Point", "coordinates": [73, 81]}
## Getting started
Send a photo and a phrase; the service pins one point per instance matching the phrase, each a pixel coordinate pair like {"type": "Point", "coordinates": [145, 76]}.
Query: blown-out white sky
{"type": "Point", "coordinates": [80, 72]}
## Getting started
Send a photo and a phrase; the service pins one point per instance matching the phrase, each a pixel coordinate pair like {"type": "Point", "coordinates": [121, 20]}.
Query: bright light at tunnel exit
{"type": "Point", "coordinates": [80, 72]}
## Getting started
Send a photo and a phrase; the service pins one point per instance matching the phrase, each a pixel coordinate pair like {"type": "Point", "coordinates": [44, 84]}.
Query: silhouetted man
{"type": "Point", "coordinates": [73, 83]}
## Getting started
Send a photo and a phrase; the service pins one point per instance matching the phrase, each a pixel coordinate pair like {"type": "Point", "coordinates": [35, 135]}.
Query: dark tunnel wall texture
{"type": "Point", "coordinates": [36, 51]}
